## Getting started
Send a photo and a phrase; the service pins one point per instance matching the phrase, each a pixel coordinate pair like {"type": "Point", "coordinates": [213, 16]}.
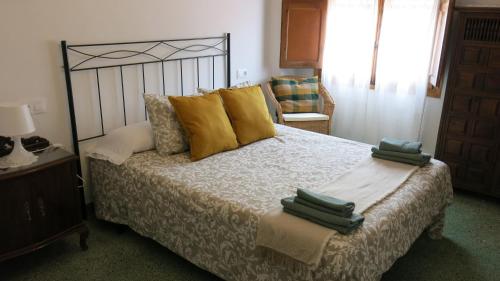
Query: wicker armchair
{"type": "Point", "coordinates": [315, 122]}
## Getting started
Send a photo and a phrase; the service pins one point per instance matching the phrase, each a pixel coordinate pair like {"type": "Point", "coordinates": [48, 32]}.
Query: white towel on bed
{"type": "Point", "coordinates": [365, 185]}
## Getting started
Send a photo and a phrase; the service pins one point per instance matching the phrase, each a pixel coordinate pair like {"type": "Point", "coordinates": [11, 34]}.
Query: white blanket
{"type": "Point", "coordinates": [365, 185]}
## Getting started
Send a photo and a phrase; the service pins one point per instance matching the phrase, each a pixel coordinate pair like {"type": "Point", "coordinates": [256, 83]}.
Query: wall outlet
{"type": "Point", "coordinates": [37, 106]}
{"type": "Point", "coordinates": [241, 73]}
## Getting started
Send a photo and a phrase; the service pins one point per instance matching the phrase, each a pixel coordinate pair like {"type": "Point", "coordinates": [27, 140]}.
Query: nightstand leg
{"type": "Point", "coordinates": [84, 234]}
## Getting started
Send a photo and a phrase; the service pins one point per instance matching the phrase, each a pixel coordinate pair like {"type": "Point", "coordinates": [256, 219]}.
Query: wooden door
{"type": "Point", "coordinates": [54, 200]}
{"type": "Point", "coordinates": [469, 138]}
{"type": "Point", "coordinates": [15, 215]}
{"type": "Point", "coordinates": [303, 24]}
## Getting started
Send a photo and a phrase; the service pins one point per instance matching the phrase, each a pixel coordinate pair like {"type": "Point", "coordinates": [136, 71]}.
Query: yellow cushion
{"type": "Point", "coordinates": [206, 123]}
{"type": "Point", "coordinates": [248, 112]}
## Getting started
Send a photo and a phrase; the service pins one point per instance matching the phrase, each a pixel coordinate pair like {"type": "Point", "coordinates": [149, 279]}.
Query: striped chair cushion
{"type": "Point", "coordinates": [296, 95]}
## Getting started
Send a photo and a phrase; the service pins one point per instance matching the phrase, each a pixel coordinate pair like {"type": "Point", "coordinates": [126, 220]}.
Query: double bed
{"type": "Point", "coordinates": [208, 211]}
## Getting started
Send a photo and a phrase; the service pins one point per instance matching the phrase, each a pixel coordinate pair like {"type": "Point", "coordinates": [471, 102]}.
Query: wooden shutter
{"type": "Point", "coordinates": [303, 25]}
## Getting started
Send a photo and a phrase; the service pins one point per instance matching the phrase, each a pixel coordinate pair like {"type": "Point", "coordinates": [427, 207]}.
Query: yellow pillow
{"type": "Point", "coordinates": [206, 123]}
{"type": "Point", "coordinates": [248, 112]}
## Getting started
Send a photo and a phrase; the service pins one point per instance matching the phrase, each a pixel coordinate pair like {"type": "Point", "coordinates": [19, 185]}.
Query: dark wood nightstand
{"type": "Point", "coordinates": [39, 204]}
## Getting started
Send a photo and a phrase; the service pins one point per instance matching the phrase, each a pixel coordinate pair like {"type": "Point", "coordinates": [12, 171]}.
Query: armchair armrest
{"type": "Point", "coordinates": [328, 103]}
{"type": "Point", "coordinates": [279, 112]}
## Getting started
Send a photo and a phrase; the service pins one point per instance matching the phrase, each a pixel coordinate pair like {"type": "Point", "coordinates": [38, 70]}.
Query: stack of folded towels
{"type": "Point", "coordinates": [324, 210]}
{"type": "Point", "coordinates": [401, 151]}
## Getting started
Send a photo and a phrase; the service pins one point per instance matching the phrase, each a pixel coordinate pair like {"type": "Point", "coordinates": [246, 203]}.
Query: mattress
{"type": "Point", "coordinates": [208, 211]}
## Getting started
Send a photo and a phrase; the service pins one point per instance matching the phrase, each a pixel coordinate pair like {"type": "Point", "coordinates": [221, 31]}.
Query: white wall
{"type": "Point", "coordinates": [31, 31]}
{"type": "Point", "coordinates": [430, 127]}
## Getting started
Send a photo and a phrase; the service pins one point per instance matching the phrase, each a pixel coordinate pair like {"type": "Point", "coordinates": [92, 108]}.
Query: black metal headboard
{"type": "Point", "coordinates": [94, 57]}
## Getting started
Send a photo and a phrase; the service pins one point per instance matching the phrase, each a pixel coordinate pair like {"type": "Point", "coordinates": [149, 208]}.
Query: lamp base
{"type": "Point", "coordinates": [18, 157]}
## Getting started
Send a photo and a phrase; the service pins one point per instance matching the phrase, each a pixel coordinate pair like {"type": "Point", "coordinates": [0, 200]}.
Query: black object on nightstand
{"type": "Point", "coordinates": [39, 204]}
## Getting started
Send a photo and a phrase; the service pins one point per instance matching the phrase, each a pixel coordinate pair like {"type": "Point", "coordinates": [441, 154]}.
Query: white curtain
{"type": "Point", "coordinates": [395, 107]}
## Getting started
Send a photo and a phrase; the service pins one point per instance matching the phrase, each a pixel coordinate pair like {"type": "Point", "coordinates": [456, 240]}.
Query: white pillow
{"type": "Point", "coordinates": [121, 143]}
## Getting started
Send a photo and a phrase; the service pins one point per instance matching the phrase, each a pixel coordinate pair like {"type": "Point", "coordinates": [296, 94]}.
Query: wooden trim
{"type": "Point", "coordinates": [24, 170]}
{"type": "Point", "coordinates": [79, 228]}
{"type": "Point", "coordinates": [449, 16]}
{"type": "Point", "coordinates": [477, 9]}
{"type": "Point", "coordinates": [381, 4]}
{"type": "Point", "coordinates": [434, 91]}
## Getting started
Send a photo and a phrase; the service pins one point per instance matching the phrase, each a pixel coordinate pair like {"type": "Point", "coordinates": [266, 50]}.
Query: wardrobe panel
{"type": "Point", "coordinates": [469, 133]}
{"type": "Point", "coordinates": [461, 104]}
{"type": "Point", "coordinates": [470, 56]}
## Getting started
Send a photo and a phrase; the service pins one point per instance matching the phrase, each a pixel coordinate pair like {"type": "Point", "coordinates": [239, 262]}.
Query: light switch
{"type": "Point", "coordinates": [241, 73]}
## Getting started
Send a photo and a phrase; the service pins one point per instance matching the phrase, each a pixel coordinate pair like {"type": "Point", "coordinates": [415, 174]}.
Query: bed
{"type": "Point", "coordinates": [208, 211]}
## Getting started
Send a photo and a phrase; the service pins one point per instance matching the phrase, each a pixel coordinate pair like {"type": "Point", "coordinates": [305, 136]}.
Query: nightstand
{"type": "Point", "coordinates": [39, 204]}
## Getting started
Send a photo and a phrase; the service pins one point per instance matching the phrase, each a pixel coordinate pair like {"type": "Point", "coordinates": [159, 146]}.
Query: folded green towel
{"type": "Point", "coordinates": [399, 159]}
{"type": "Point", "coordinates": [321, 202]}
{"type": "Point", "coordinates": [400, 145]}
{"type": "Point", "coordinates": [346, 213]}
{"type": "Point", "coordinates": [339, 228]}
{"type": "Point", "coordinates": [353, 221]}
{"type": "Point", "coordinates": [410, 156]}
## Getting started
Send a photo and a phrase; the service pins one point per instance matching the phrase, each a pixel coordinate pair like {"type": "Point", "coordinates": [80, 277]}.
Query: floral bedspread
{"type": "Point", "coordinates": [208, 211]}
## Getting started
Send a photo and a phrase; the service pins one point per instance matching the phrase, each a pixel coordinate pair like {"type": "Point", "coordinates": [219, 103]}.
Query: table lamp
{"type": "Point", "coordinates": [16, 121]}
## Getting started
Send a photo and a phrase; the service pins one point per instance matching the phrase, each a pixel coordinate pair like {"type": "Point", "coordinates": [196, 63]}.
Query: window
{"type": "Point", "coordinates": [436, 68]}
{"type": "Point", "coordinates": [303, 29]}
{"type": "Point", "coordinates": [376, 64]}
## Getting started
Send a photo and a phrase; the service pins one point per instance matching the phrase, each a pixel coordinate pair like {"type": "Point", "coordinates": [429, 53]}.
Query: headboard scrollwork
{"type": "Point", "coordinates": [185, 63]}
{"type": "Point", "coordinates": [97, 57]}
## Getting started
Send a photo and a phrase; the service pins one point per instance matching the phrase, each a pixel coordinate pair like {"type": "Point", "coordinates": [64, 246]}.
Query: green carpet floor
{"type": "Point", "coordinates": [469, 251]}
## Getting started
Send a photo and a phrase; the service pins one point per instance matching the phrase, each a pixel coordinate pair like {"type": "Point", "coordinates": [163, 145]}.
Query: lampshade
{"type": "Point", "coordinates": [15, 120]}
